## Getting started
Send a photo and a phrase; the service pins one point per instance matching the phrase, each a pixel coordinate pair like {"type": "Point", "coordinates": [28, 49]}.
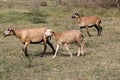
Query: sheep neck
{"type": "Point", "coordinates": [17, 34]}
{"type": "Point", "coordinates": [56, 36]}
{"type": "Point", "coordinates": [79, 19]}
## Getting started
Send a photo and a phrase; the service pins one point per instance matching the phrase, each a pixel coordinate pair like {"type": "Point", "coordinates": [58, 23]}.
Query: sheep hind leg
{"type": "Point", "coordinates": [100, 30]}
{"type": "Point", "coordinates": [82, 48]}
{"type": "Point", "coordinates": [80, 29]}
{"type": "Point", "coordinates": [50, 44]}
{"type": "Point", "coordinates": [66, 46]}
{"type": "Point", "coordinates": [88, 32]}
{"type": "Point", "coordinates": [45, 47]}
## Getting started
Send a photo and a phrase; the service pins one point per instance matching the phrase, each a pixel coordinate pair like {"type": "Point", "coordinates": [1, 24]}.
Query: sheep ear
{"type": "Point", "coordinates": [10, 28]}
{"type": "Point", "coordinates": [75, 13]}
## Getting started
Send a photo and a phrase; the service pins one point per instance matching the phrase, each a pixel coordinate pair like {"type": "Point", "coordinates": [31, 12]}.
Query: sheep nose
{"type": "Point", "coordinates": [4, 35]}
{"type": "Point", "coordinates": [73, 16]}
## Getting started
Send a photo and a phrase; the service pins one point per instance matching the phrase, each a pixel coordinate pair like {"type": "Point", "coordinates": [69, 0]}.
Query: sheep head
{"type": "Point", "coordinates": [8, 32]}
{"type": "Point", "coordinates": [75, 15]}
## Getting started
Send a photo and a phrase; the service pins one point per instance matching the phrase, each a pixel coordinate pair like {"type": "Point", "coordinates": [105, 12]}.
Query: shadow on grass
{"type": "Point", "coordinates": [46, 54]}
{"type": "Point", "coordinates": [85, 54]}
{"type": "Point", "coordinates": [31, 64]}
{"type": "Point", "coordinates": [37, 54]}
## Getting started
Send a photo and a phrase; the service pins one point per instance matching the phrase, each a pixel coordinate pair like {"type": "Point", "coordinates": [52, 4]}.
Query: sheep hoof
{"type": "Point", "coordinates": [23, 49]}
{"type": "Point", "coordinates": [82, 54]}
{"type": "Point", "coordinates": [26, 55]}
{"type": "Point", "coordinates": [89, 35]}
{"type": "Point", "coordinates": [53, 57]}
{"type": "Point", "coordinates": [41, 55]}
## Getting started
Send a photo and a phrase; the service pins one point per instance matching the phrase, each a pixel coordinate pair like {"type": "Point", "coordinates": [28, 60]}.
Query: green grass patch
{"type": "Point", "coordinates": [34, 16]}
{"type": "Point", "coordinates": [12, 17]}
{"type": "Point", "coordinates": [37, 16]}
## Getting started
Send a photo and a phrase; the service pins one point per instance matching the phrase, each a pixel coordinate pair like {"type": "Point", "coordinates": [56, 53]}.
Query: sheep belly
{"type": "Point", "coordinates": [67, 40]}
{"type": "Point", "coordinates": [36, 39]}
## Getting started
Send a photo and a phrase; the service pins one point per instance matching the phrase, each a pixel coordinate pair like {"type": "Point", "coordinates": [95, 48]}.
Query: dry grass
{"type": "Point", "coordinates": [101, 62]}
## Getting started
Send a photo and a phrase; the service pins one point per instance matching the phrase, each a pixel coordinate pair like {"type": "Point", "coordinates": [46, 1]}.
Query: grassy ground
{"type": "Point", "coordinates": [102, 59]}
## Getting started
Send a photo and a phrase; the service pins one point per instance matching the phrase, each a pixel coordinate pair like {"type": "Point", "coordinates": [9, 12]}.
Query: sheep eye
{"type": "Point", "coordinates": [9, 29]}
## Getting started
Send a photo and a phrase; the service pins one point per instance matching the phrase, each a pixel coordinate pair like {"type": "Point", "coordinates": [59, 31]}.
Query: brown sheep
{"type": "Point", "coordinates": [30, 36]}
{"type": "Point", "coordinates": [67, 37]}
{"type": "Point", "coordinates": [88, 22]}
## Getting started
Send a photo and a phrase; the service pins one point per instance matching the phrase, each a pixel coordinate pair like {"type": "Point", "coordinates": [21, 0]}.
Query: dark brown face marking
{"type": "Point", "coordinates": [75, 15]}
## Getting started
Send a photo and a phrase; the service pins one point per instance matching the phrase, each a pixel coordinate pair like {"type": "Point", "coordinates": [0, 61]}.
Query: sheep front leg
{"type": "Point", "coordinates": [66, 46]}
{"type": "Point", "coordinates": [56, 50]}
{"type": "Point", "coordinates": [48, 42]}
{"type": "Point", "coordinates": [25, 49]}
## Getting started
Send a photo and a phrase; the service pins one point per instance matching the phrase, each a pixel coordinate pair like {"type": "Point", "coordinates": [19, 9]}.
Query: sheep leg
{"type": "Point", "coordinates": [82, 47]}
{"type": "Point", "coordinates": [80, 28]}
{"type": "Point", "coordinates": [25, 49]}
{"type": "Point", "coordinates": [56, 50]}
{"type": "Point", "coordinates": [45, 47]}
{"type": "Point", "coordinates": [48, 42]}
{"type": "Point", "coordinates": [78, 51]}
{"type": "Point", "coordinates": [66, 46]}
{"type": "Point", "coordinates": [98, 30]}
{"type": "Point", "coordinates": [88, 31]}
